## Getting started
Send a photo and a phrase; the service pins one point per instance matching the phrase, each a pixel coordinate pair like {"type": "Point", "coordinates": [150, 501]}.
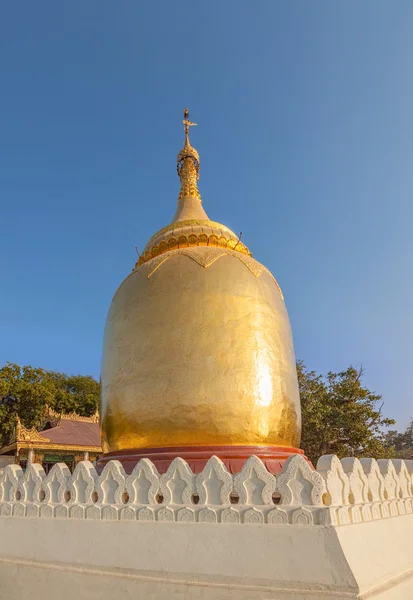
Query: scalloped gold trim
{"type": "Point", "coordinates": [179, 224]}
{"type": "Point", "coordinates": [206, 259]}
{"type": "Point", "coordinates": [192, 240]}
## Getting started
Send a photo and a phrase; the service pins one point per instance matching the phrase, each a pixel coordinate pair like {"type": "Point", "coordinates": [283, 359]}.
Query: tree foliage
{"type": "Point", "coordinates": [400, 444]}
{"type": "Point", "coordinates": [340, 416]}
{"type": "Point", "coordinates": [27, 392]}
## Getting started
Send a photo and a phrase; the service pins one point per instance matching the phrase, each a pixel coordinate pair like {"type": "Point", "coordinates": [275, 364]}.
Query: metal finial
{"type": "Point", "coordinates": [187, 124]}
{"type": "Point", "coordinates": [188, 163]}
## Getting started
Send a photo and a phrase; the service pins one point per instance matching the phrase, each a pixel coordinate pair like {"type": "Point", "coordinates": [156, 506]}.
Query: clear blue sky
{"type": "Point", "coordinates": [305, 113]}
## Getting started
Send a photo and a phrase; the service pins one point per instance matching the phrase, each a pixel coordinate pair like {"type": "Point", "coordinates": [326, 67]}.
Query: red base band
{"type": "Point", "coordinates": [197, 456]}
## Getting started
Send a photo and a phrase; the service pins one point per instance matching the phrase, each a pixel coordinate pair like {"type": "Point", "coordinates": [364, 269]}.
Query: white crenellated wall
{"type": "Point", "coordinates": [336, 493]}
{"type": "Point", "coordinates": [341, 531]}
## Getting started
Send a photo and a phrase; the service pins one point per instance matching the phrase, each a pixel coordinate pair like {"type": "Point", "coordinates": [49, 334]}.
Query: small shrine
{"type": "Point", "coordinates": [67, 438]}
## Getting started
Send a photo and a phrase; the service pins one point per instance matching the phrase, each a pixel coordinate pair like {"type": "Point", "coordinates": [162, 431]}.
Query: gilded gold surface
{"type": "Point", "coordinates": [187, 236]}
{"type": "Point", "coordinates": [190, 226]}
{"type": "Point", "coordinates": [198, 347]}
{"type": "Point", "coordinates": [188, 164]}
{"type": "Point", "coordinates": [48, 446]}
{"type": "Point", "coordinates": [206, 258]}
{"type": "Point", "coordinates": [23, 434]}
{"type": "Point", "coordinates": [67, 447]}
{"type": "Point", "coordinates": [198, 355]}
{"type": "Point", "coordinates": [205, 224]}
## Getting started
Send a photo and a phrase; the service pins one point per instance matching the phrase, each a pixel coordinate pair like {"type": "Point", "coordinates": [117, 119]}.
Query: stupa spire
{"type": "Point", "coordinates": [188, 164]}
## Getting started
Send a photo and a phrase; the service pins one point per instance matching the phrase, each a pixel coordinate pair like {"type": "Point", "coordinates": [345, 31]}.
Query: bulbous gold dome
{"type": "Point", "coordinates": [198, 348]}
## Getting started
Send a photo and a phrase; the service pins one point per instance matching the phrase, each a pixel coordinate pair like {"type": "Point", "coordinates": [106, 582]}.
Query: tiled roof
{"type": "Point", "coordinates": [73, 433]}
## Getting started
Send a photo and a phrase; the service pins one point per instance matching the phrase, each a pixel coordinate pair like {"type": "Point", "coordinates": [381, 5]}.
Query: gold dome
{"type": "Point", "coordinates": [198, 348]}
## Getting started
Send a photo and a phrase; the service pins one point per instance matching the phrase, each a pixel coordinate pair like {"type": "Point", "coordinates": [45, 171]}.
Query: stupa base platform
{"type": "Point", "coordinates": [180, 537]}
{"type": "Point", "coordinates": [197, 456]}
{"type": "Point", "coordinates": [86, 559]}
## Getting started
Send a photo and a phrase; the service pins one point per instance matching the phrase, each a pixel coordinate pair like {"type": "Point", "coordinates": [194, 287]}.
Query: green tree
{"type": "Point", "coordinates": [340, 416]}
{"type": "Point", "coordinates": [26, 392]}
{"type": "Point", "coordinates": [400, 444]}
{"type": "Point", "coordinates": [76, 393]}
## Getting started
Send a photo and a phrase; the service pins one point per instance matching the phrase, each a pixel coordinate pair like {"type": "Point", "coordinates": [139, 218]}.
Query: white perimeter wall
{"type": "Point", "coordinates": [344, 531]}
{"type": "Point", "coordinates": [71, 558]}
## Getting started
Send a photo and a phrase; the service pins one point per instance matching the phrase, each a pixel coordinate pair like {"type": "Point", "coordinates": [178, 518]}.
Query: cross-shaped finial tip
{"type": "Point", "coordinates": [187, 124]}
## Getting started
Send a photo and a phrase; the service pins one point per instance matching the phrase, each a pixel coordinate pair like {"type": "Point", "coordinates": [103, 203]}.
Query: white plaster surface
{"type": "Point", "coordinates": [86, 559]}
{"type": "Point", "coordinates": [244, 561]}
{"type": "Point", "coordinates": [344, 531]}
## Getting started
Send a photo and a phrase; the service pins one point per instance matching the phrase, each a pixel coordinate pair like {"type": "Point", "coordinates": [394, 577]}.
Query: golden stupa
{"type": "Point", "coordinates": [198, 351]}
